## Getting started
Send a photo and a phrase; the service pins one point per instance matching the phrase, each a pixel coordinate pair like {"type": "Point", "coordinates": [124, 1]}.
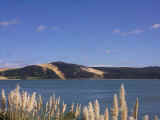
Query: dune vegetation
{"type": "Point", "coordinates": [24, 106]}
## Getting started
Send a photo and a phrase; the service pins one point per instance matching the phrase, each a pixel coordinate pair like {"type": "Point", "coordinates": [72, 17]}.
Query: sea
{"type": "Point", "coordinates": [84, 91]}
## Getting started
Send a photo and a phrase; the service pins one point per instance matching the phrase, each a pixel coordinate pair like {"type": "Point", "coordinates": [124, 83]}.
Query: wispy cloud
{"type": "Point", "coordinates": [41, 28]}
{"type": "Point", "coordinates": [131, 32]}
{"type": "Point", "coordinates": [7, 23]}
{"type": "Point", "coordinates": [134, 32]}
{"type": "Point", "coordinates": [45, 27]}
{"type": "Point", "coordinates": [116, 31]}
{"type": "Point", "coordinates": [11, 64]}
{"type": "Point", "coordinates": [108, 51]}
{"type": "Point", "coordinates": [101, 65]}
{"type": "Point", "coordinates": [155, 26]}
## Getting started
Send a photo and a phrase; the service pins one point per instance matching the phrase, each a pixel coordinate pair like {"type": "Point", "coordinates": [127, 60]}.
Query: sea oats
{"type": "Point", "coordinates": [78, 110]}
{"type": "Point", "coordinates": [146, 117]}
{"type": "Point", "coordinates": [47, 107]}
{"type": "Point", "coordinates": [50, 103]}
{"type": "Point", "coordinates": [3, 101]}
{"type": "Point", "coordinates": [91, 111]}
{"type": "Point", "coordinates": [97, 110]}
{"type": "Point", "coordinates": [131, 118]}
{"type": "Point", "coordinates": [156, 117]}
{"type": "Point", "coordinates": [123, 104]}
{"type": "Point", "coordinates": [135, 112]}
{"type": "Point", "coordinates": [39, 103]}
{"type": "Point", "coordinates": [23, 106]}
{"type": "Point", "coordinates": [24, 100]}
{"type": "Point", "coordinates": [58, 100]}
{"type": "Point", "coordinates": [72, 108]}
{"type": "Point", "coordinates": [106, 114]}
{"type": "Point", "coordinates": [122, 96]}
{"type": "Point", "coordinates": [58, 114]}
{"type": "Point", "coordinates": [115, 109]}
{"type": "Point", "coordinates": [31, 102]}
{"type": "Point", "coordinates": [124, 111]}
{"type": "Point", "coordinates": [64, 108]}
{"type": "Point", "coordinates": [101, 117]}
{"type": "Point", "coordinates": [85, 113]}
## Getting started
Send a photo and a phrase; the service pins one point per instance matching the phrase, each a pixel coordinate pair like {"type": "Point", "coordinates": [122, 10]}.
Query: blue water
{"type": "Point", "coordinates": [83, 91]}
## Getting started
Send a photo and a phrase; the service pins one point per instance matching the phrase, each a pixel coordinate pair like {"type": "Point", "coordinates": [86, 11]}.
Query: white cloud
{"type": "Point", "coordinates": [155, 26]}
{"type": "Point", "coordinates": [132, 32]}
{"type": "Point", "coordinates": [116, 31]}
{"type": "Point", "coordinates": [41, 28]}
{"type": "Point", "coordinates": [1, 61]}
{"type": "Point", "coordinates": [45, 27]}
{"type": "Point", "coordinates": [7, 23]}
{"type": "Point", "coordinates": [108, 51]}
{"type": "Point", "coordinates": [11, 64]}
{"type": "Point", "coordinates": [101, 65]}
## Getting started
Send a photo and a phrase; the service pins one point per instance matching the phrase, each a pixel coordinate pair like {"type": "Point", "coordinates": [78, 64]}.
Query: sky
{"type": "Point", "coordinates": [87, 32]}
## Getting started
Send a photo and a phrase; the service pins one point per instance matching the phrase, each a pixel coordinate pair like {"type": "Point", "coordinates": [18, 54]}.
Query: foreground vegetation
{"type": "Point", "coordinates": [23, 106]}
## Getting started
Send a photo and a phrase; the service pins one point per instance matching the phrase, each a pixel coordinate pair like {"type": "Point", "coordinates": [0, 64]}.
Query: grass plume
{"type": "Point", "coordinates": [24, 106]}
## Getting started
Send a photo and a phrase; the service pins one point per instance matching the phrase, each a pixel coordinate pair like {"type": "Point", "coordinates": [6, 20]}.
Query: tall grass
{"type": "Point", "coordinates": [24, 106]}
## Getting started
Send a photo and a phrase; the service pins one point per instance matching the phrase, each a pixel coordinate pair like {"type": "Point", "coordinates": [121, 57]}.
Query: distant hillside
{"type": "Point", "coordinates": [3, 78]}
{"type": "Point", "coordinates": [64, 71]}
{"type": "Point", "coordinates": [130, 73]}
{"type": "Point", "coordinates": [4, 69]}
{"type": "Point", "coordinates": [54, 70]}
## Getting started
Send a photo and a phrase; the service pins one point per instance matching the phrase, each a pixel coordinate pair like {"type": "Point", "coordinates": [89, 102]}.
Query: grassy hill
{"type": "Point", "coordinates": [54, 70]}
{"type": "Point", "coordinates": [64, 71]}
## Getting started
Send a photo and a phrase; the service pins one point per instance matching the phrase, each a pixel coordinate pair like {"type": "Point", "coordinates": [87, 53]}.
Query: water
{"type": "Point", "coordinates": [83, 91]}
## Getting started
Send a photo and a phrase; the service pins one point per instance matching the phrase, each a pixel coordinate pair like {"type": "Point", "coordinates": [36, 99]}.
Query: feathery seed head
{"type": "Point", "coordinates": [122, 95]}
{"type": "Point", "coordinates": [146, 117]}
{"type": "Point", "coordinates": [3, 100]}
{"type": "Point", "coordinates": [64, 108]}
{"type": "Point", "coordinates": [72, 108]}
{"type": "Point", "coordinates": [115, 109]}
{"type": "Point", "coordinates": [156, 117]}
{"type": "Point", "coordinates": [135, 111]}
{"type": "Point", "coordinates": [131, 118]}
{"type": "Point", "coordinates": [91, 111]}
{"type": "Point", "coordinates": [97, 110]}
{"type": "Point", "coordinates": [85, 113]}
{"type": "Point", "coordinates": [106, 114]}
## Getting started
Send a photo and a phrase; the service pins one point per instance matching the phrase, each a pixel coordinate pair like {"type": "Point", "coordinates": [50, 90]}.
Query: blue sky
{"type": "Point", "coordinates": [88, 32]}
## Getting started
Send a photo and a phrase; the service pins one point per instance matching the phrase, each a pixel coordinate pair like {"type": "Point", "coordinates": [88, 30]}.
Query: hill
{"type": "Point", "coordinates": [64, 71]}
{"type": "Point", "coordinates": [130, 73]}
{"type": "Point", "coordinates": [54, 70]}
